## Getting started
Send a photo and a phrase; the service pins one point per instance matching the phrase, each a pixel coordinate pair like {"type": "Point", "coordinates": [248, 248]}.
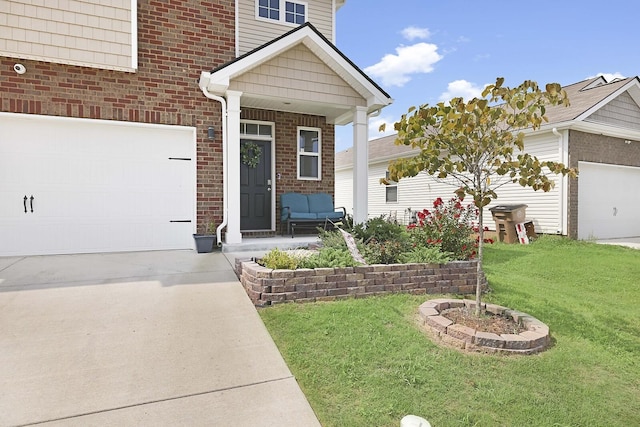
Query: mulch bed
{"type": "Point", "coordinates": [487, 322]}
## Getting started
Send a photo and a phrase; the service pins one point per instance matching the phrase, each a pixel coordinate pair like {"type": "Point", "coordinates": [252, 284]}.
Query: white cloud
{"type": "Point", "coordinates": [374, 126]}
{"type": "Point", "coordinates": [396, 70]}
{"type": "Point", "coordinates": [412, 33]}
{"type": "Point", "coordinates": [461, 88]}
{"type": "Point", "coordinates": [609, 76]}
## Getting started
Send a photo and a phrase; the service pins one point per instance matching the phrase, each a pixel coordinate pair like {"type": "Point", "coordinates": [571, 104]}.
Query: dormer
{"type": "Point", "coordinates": [260, 21]}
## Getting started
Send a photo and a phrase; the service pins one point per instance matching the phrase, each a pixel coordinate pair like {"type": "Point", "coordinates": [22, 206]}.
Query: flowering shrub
{"type": "Point", "coordinates": [449, 226]}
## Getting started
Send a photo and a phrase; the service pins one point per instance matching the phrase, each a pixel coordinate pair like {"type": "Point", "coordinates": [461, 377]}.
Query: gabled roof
{"type": "Point", "coordinates": [218, 80]}
{"type": "Point", "coordinates": [586, 97]}
{"type": "Point", "coordinates": [589, 95]}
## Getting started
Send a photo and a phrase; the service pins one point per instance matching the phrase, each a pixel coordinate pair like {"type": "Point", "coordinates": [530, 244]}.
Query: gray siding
{"type": "Point", "coordinates": [622, 111]}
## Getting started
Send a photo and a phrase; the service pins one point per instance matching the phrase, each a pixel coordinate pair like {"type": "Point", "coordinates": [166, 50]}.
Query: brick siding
{"type": "Point", "coordinates": [176, 41]}
{"type": "Point", "coordinates": [286, 127]}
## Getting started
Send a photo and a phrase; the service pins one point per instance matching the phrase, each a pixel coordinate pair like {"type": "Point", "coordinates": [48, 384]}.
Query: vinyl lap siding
{"type": "Point", "coordinates": [622, 111]}
{"type": "Point", "coordinates": [254, 32]}
{"type": "Point", "coordinates": [419, 192]}
{"type": "Point", "coordinates": [344, 190]}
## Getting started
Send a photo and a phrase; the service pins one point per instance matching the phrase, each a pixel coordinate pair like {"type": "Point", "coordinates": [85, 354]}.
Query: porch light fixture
{"type": "Point", "coordinates": [211, 133]}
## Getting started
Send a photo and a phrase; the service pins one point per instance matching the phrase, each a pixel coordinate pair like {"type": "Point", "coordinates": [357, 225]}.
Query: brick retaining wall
{"type": "Point", "coordinates": [266, 286]}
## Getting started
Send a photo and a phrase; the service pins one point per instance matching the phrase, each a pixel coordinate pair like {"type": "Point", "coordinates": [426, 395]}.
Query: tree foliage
{"type": "Point", "coordinates": [478, 145]}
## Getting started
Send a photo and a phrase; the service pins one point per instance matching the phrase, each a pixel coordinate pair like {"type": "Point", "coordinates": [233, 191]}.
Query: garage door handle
{"type": "Point", "coordinates": [31, 202]}
{"type": "Point", "coordinates": [25, 203]}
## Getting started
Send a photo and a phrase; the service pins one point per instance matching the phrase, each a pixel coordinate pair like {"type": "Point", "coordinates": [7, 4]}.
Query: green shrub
{"type": "Point", "coordinates": [386, 252]}
{"type": "Point", "coordinates": [279, 260]}
{"type": "Point", "coordinates": [426, 254]}
{"type": "Point", "coordinates": [380, 229]}
{"type": "Point", "coordinates": [332, 239]}
{"type": "Point", "coordinates": [329, 257]}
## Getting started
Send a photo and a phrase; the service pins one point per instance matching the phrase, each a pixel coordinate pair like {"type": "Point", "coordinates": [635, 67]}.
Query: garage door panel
{"type": "Point", "coordinates": [608, 203]}
{"type": "Point", "coordinates": [97, 186]}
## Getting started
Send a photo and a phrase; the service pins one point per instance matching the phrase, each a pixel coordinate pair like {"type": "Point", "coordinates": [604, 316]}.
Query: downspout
{"type": "Point", "coordinates": [223, 106]}
{"type": "Point", "coordinates": [563, 187]}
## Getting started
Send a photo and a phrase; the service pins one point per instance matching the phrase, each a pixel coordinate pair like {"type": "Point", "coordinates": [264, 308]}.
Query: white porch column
{"type": "Point", "coordinates": [360, 165]}
{"type": "Point", "coordinates": [233, 234]}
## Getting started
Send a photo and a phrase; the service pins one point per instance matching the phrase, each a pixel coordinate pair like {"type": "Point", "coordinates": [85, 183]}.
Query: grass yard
{"type": "Point", "coordinates": [365, 362]}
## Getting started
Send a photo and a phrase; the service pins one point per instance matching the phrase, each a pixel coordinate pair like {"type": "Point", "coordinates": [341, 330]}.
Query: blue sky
{"type": "Point", "coordinates": [424, 51]}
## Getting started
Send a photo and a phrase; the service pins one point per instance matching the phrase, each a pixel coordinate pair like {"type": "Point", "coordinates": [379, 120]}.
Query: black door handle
{"type": "Point", "coordinates": [31, 202]}
{"type": "Point", "coordinates": [25, 203]}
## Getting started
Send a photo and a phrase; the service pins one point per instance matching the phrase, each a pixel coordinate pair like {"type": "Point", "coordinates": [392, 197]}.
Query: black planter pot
{"type": "Point", "coordinates": [204, 243]}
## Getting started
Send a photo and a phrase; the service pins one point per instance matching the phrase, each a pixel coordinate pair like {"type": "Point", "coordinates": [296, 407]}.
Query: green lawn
{"type": "Point", "coordinates": [365, 362]}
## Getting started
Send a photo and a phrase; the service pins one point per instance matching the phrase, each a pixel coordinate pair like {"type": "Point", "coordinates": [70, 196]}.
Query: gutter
{"type": "Point", "coordinates": [202, 82]}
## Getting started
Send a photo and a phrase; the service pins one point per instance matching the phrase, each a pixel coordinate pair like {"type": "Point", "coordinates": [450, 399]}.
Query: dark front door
{"type": "Point", "coordinates": [255, 185]}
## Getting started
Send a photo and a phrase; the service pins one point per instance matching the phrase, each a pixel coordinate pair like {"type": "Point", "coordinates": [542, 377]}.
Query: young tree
{"type": "Point", "coordinates": [472, 145]}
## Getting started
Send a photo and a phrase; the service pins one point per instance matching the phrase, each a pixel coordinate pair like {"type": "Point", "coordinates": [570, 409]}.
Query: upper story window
{"type": "Point", "coordinates": [309, 154]}
{"type": "Point", "coordinates": [291, 12]}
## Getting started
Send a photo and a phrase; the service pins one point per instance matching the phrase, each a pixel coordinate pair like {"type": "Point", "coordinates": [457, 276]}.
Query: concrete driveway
{"type": "Point", "coordinates": [134, 339]}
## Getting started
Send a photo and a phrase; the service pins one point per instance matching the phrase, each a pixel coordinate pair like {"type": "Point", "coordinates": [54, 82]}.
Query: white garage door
{"type": "Point", "coordinates": [79, 186]}
{"type": "Point", "coordinates": [608, 201]}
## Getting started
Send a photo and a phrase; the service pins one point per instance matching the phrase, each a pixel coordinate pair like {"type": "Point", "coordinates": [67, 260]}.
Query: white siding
{"type": "Point", "coordinates": [344, 190]}
{"type": "Point", "coordinates": [254, 32]}
{"type": "Point", "coordinates": [419, 192]}
{"type": "Point", "coordinates": [91, 33]}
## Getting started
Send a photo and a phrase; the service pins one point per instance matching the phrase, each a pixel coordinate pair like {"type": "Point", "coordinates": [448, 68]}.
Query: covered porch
{"type": "Point", "coordinates": [284, 99]}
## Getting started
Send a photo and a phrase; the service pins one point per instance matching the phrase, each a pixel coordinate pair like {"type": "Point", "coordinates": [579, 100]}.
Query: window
{"type": "Point", "coordinates": [269, 9]}
{"type": "Point", "coordinates": [283, 11]}
{"type": "Point", "coordinates": [294, 12]}
{"type": "Point", "coordinates": [309, 153]}
{"type": "Point", "coordinates": [391, 191]}
{"type": "Point", "coordinates": [256, 128]}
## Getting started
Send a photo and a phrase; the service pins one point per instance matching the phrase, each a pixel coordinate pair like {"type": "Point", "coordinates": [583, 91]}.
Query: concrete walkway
{"type": "Point", "coordinates": [134, 339]}
{"type": "Point", "coordinates": [630, 242]}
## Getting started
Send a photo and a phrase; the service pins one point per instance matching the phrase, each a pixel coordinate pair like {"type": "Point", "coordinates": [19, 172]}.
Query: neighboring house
{"type": "Point", "coordinates": [599, 134]}
{"type": "Point", "coordinates": [123, 123]}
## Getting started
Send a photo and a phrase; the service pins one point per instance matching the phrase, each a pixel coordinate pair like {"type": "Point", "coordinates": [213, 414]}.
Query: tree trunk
{"type": "Point", "coordinates": [479, 266]}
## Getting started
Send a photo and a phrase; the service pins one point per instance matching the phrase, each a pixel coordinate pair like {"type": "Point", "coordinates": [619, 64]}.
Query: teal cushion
{"type": "Point", "coordinates": [295, 201]}
{"type": "Point", "coordinates": [320, 202]}
{"type": "Point", "coordinates": [330, 215]}
{"type": "Point", "coordinates": [303, 215]}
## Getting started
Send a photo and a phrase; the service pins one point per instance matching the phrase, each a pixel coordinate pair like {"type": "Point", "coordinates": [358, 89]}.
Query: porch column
{"type": "Point", "coordinates": [233, 234]}
{"type": "Point", "coordinates": [360, 166]}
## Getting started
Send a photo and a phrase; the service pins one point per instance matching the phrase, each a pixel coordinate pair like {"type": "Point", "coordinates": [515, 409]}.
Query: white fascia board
{"type": "Point", "coordinates": [220, 79]}
{"type": "Point", "coordinates": [602, 129]}
{"type": "Point", "coordinates": [372, 94]}
{"type": "Point", "coordinates": [588, 127]}
{"type": "Point", "coordinates": [217, 85]}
